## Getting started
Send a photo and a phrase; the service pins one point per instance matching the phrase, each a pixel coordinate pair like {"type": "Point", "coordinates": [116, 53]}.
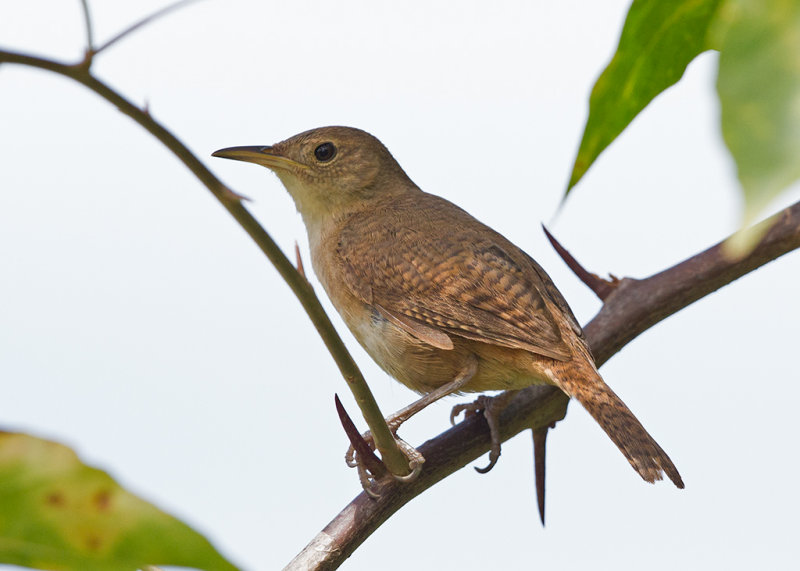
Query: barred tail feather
{"type": "Point", "coordinates": [616, 419]}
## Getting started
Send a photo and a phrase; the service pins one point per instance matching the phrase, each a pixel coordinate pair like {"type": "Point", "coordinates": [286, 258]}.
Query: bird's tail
{"type": "Point", "coordinates": [645, 455]}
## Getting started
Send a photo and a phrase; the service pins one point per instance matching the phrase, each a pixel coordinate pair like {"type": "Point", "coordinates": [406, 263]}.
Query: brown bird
{"type": "Point", "coordinates": [439, 300]}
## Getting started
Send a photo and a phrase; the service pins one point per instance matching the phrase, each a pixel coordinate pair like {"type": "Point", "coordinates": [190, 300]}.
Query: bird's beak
{"type": "Point", "coordinates": [264, 156]}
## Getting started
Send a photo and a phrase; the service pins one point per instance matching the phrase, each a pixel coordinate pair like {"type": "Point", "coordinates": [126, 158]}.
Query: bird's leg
{"type": "Point", "coordinates": [491, 407]}
{"type": "Point", "coordinates": [394, 421]}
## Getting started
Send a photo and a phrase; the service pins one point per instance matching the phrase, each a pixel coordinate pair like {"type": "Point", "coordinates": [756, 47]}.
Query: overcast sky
{"type": "Point", "coordinates": [141, 326]}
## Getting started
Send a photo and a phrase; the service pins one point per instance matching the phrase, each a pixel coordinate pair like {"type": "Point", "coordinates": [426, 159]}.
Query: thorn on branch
{"type": "Point", "coordinates": [232, 195]}
{"type": "Point", "coordinates": [600, 286]}
{"type": "Point", "coordinates": [539, 448]}
{"type": "Point", "coordinates": [300, 269]}
{"type": "Point", "coordinates": [364, 453]}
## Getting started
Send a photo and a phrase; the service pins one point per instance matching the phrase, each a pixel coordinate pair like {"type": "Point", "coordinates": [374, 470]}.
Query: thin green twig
{"type": "Point", "coordinates": [384, 441]}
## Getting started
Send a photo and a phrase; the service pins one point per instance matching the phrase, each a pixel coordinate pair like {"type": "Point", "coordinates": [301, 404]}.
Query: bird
{"type": "Point", "coordinates": [442, 302]}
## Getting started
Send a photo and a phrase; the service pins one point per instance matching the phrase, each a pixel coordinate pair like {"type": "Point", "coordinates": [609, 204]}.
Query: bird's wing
{"type": "Point", "coordinates": [438, 279]}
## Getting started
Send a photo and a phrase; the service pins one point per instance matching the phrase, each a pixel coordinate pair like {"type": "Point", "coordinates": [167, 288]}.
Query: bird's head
{"type": "Point", "coordinates": [330, 171]}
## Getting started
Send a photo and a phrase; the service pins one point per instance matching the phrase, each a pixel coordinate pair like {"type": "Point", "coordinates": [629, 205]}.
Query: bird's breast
{"type": "Point", "coordinates": [415, 363]}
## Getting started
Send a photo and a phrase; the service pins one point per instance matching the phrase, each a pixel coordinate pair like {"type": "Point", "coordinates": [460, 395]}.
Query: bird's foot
{"type": "Point", "coordinates": [415, 459]}
{"type": "Point", "coordinates": [369, 481]}
{"type": "Point", "coordinates": [491, 407]}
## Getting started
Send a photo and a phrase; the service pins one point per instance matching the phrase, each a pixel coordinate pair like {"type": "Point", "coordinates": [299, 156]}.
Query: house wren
{"type": "Point", "coordinates": [438, 299]}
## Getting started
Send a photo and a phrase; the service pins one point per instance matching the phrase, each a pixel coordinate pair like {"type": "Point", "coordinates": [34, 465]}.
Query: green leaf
{"type": "Point", "coordinates": [58, 513]}
{"type": "Point", "coordinates": [658, 41]}
{"type": "Point", "coordinates": [759, 92]}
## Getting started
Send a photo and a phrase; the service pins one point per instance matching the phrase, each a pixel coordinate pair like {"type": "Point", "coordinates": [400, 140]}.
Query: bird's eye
{"type": "Point", "coordinates": [325, 152]}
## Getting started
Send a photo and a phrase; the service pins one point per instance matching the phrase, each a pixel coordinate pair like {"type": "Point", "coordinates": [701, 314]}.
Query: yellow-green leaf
{"type": "Point", "coordinates": [759, 92]}
{"type": "Point", "coordinates": [58, 513]}
{"type": "Point", "coordinates": [658, 41]}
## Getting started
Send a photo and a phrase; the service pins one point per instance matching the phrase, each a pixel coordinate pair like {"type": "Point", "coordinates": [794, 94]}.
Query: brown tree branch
{"type": "Point", "coordinates": [633, 307]}
{"type": "Point", "coordinates": [637, 305]}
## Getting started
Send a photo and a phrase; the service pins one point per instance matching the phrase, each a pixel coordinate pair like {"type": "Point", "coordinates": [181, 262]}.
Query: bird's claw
{"type": "Point", "coordinates": [367, 479]}
{"type": "Point", "coordinates": [350, 455]}
{"type": "Point", "coordinates": [469, 409]}
{"type": "Point", "coordinates": [494, 456]}
{"type": "Point", "coordinates": [485, 405]}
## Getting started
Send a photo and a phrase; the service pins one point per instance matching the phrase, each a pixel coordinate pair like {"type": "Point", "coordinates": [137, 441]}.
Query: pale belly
{"type": "Point", "coordinates": [422, 367]}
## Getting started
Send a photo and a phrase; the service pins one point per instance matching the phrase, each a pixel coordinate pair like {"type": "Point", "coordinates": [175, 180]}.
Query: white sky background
{"type": "Point", "coordinates": [141, 326]}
